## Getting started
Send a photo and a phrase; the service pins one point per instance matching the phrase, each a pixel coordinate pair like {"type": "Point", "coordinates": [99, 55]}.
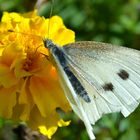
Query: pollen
{"type": "Point", "coordinates": [27, 64]}
{"type": "Point", "coordinates": [32, 57]}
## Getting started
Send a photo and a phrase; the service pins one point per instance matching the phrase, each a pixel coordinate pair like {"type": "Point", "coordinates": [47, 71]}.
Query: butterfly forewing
{"type": "Point", "coordinates": [110, 75]}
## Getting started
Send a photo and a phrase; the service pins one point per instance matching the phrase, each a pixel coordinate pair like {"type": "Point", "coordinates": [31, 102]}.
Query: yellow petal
{"type": "Point", "coordinates": [10, 53]}
{"type": "Point", "coordinates": [62, 123]}
{"type": "Point", "coordinates": [56, 28]}
{"type": "Point", "coordinates": [48, 132]}
{"type": "Point", "coordinates": [36, 118]}
{"type": "Point", "coordinates": [7, 77]}
{"type": "Point", "coordinates": [7, 101]}
{"type": "Point", "coordinates": [47, 96]}
{"type": "Point", "coordinates": [8, 16]}
{"type": "Point", "coordinates": [26, 101]}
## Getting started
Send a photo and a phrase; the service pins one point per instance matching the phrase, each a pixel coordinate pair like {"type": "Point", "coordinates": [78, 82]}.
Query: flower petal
{"type": "Point", "coordinates": [26, 101]}
{"type": "Point", "coordinates": [7, 101]}
{"type": "Point", "coordinates": [47, 96]}
{"type": "Point", "coordinates": [48, 132]}
{"type": "Point", "coordinates": [7, 77]}
{"type": "Point", "coordinates": [62, 123]}
{"type": "Point", "coordinates": [56, 28]}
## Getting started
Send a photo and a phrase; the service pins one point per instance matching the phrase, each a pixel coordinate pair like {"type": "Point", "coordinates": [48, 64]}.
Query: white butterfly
{"type": "Point", "coordinates": [97, 78]}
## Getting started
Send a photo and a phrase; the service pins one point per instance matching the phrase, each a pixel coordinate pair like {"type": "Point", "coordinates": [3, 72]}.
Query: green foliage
{"type": "Point", "coordinates": [116, 22]}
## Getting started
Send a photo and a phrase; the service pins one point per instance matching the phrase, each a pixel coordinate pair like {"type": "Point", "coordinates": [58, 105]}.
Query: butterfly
{"type": "Point", "coordinates": [97, 78]}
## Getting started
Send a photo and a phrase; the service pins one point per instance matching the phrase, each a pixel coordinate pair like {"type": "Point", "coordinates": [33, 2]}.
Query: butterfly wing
{"type": "Point", "coordinates": [73, 98]}
{"type": "Point", "coordinates": [110, 75]}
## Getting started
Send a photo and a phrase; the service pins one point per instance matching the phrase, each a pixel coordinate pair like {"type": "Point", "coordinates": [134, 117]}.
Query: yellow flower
{"type": "Point", "coordinates": [29, 87]}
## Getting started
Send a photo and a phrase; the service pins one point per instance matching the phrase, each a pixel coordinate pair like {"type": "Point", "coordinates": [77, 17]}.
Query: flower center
{"type": "Point", "coordinates": [32, 57]}
{"type": "Point", "coordinates": [28, 64]}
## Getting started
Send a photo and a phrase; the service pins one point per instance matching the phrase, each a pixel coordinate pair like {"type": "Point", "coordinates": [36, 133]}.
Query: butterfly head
{"type": "Point", "coordinates": [48, 43]}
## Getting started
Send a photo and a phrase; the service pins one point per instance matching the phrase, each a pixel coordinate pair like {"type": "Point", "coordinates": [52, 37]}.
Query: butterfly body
{"type": "Point", "coordinates": [97, 78]}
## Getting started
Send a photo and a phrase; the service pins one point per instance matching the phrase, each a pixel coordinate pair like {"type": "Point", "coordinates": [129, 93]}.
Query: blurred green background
{"type": "Point", "coordinates": [112, 21]}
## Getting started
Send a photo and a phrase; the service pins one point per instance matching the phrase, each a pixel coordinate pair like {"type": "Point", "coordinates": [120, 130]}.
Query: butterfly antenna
{"type": "Point", "coordinates": [51, 11]}
{"type": "Point", "coordinates": [12, 31]}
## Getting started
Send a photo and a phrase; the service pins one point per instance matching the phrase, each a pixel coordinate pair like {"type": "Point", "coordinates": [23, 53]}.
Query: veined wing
{"type": "Point", "coordinates": [73, 98]}
{"type": "Point", "coordinates": [110, 75]}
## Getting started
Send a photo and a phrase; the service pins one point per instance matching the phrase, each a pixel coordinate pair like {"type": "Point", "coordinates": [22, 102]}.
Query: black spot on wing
{"type": "Point", "coordinates": [108, 87]}
{"type": "Point", "coordinates": [124, 75]}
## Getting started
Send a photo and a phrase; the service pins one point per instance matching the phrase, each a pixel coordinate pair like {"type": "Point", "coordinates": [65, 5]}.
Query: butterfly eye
{"type": "Point", "coordinates": [124, 75]}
